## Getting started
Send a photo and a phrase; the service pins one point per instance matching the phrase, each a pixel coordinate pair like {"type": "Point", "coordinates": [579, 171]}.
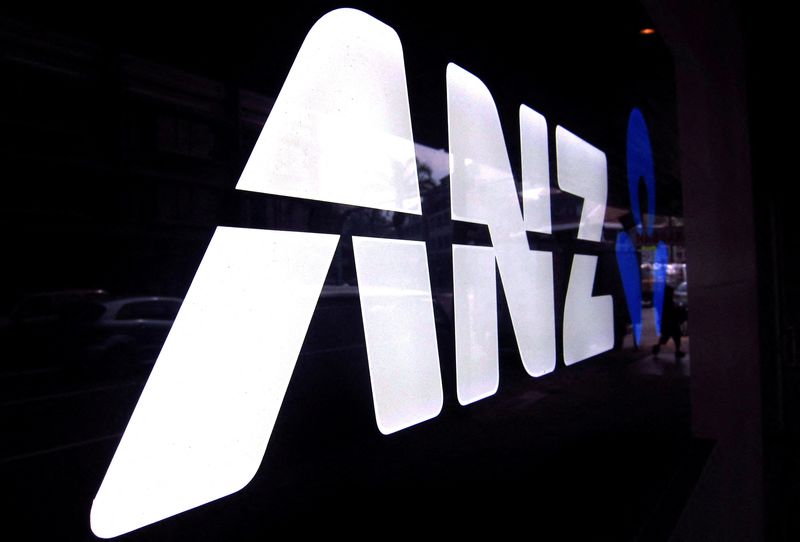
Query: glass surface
{"type": "Point", "coordinates": [338, 269]}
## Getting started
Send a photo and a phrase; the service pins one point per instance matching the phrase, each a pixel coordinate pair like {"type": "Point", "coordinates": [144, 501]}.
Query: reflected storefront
{"type": "Point", "coordinates": [346, 270]}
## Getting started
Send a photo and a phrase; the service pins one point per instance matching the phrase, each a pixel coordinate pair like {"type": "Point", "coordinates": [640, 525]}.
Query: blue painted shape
{"type": "Point", "coordinates": [628, 265]}
{"type": "Point", "coordinates": [659, 281]}
{"type": "Point", "coordinates": [640, 166]}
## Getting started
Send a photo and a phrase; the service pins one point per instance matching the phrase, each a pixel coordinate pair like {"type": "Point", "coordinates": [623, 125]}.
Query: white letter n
{"type": "Point", "coordinates": [483, 191]}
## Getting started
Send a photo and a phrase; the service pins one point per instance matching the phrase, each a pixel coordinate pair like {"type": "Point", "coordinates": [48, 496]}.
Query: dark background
{"type": "Point", "coordinates": [123, 134]}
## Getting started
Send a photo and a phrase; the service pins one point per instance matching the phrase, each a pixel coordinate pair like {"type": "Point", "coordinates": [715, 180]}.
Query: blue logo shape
{"type": "Point", "coordinates": [640, 168]}
{"type": "Point", "coordinates": [628, 265]}
{"type": "Point", "coordinates": [659, 281]}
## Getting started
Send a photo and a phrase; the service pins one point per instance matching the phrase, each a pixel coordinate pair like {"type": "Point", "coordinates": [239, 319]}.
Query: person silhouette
{"type": "Point", "coordinates": [671, 316]}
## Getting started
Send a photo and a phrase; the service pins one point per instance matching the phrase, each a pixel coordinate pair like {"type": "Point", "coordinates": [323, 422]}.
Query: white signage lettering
{"type": "Point", "coordinates": [340, 131]}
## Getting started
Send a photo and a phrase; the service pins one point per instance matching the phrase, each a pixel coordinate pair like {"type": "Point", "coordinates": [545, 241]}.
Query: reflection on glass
{"type": "Point", "coordinates": [340, 130]}
{"type": "Point", "coordinates": [659, 282]}
{"type": "Point", "coordinates": [640, 171]}
{"type": "Point", "coordinates": [483, 191]}
{"type": "Point", "coordinates": [628, 263]}
{"type": "Point", "coordinates": [639, 157]}
{"type": "Point", "coordinates": [582, 171]}
{"type": "Point", "coordinates": [475, 306]}
{"type": "Point", "coordinates": [202, 423]}
{"type": "Point", "coordinates": [400, 332]}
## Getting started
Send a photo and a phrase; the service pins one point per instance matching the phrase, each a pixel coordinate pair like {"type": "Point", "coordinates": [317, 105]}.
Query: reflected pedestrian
{"type": "Point", "coordinates": [671, 318]}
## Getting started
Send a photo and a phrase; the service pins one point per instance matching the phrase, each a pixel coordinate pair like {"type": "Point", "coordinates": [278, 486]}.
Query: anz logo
{"type": "Point", "coordinates": [340, 124]}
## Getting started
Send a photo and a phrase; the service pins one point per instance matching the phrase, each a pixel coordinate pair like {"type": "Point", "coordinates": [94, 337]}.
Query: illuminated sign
{"type": "Point", "coordinates": [339, 129]}
{"type": "Point", "coordinates": [641, 171]}
{"type": "Point", "coordinates": [483, 191]}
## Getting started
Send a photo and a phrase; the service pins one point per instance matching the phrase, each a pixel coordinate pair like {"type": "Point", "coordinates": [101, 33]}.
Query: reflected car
{"type": "Point", "coordinates": [83, 329]}
{"type": "Point", "coordinates": [129, 330]}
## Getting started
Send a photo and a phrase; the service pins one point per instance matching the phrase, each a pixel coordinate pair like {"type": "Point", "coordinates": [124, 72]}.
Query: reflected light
{"type": "Point", "coordinates": [647, 31]}
{"type": "Point", "coordinates": [534, 193]}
